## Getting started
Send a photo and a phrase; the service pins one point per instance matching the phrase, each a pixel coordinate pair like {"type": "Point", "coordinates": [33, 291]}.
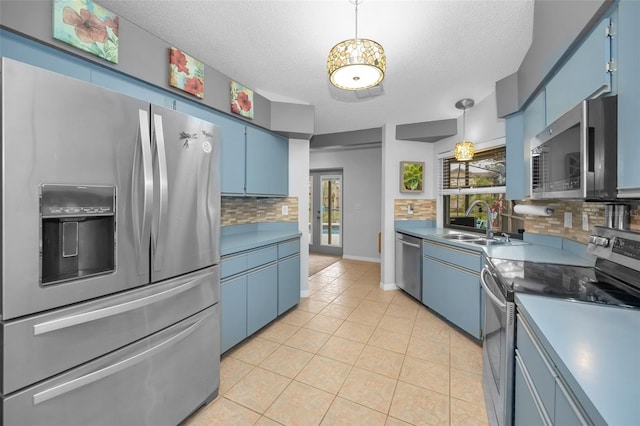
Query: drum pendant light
{"type": "Point", "coordinates": [356, 63]}
{"type": "Point", "coordinates": [464, 150]}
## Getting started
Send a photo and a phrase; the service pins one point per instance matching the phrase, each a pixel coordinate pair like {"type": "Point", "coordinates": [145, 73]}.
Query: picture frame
{"type": "Point", "coordinates": [87, 26]}
{"type": "Point", "coordinates": [411, 176]}
{"type": "Point", "coordinates": [241, 100]}
{"type": "Point", "coordinates": [186, 72]}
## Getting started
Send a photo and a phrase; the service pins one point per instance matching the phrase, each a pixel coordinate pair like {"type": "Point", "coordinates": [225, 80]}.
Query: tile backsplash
{"type": "Point", "coordinates": [422, 209]}
{"type": "Point", "coordinates": [243, 210]}
{"type": "Point", "coordinates": [554, 224]}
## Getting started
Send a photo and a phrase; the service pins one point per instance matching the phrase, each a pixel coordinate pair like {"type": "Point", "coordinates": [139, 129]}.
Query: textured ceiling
{"type": "Point", "coordinates": [437, 51]}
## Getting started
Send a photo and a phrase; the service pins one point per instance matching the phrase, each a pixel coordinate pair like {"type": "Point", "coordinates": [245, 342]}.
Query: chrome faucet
{"type": "Point", "coordinates": [486, 206]}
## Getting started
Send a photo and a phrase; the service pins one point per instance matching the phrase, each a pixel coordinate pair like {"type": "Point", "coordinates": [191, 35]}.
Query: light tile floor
{"type": "Point", "coordinates": [319, 261]}
{"type": "Point", "coordinates": [351, 354]}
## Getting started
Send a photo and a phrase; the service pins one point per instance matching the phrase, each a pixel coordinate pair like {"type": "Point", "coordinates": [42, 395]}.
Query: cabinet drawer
{"type": "Point", "coordinates": [38, 347]}
{"type": "Point", "coordinates": [527, 405]}
{"type": "Point", "coordinates": [541, 372]}
{"type": "Point", "coordinates": [233, 265]}
{"type": "Point", "coordinates": [568, 413]}
{"type": "Point", "coordinates": [460, 257]}
{"type": "Point", "coordinates": [288, 248]}
{"type": "Point", "coordinates": [158, 380]}
{"type": "Point", "coordinates": [262, 256]}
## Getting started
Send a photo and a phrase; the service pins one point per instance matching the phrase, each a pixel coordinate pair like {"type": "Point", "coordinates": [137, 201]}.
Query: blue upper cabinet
{"type": "Point", "coordinates": [584, 75]}
{"type": "Point", "coordinates": [232, 158]}
{"type": "Point", "coordinates": [516, 175]}
{"type": "Point", "coordinates": [520, 129]}
{"type": "Point", "coordinates": [267, 163]}
{"type": "Point", "coordinates": [628, 98]}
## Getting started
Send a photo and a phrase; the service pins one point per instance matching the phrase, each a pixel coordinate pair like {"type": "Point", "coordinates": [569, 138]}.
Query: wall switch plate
{"type": "Point", "coordinates": [568, 220]}
{"type": "Point", "coordinates": [285, 210]}
{"type": "Point", "coordinates": [410, 209]}
{"type": "Point", "coordinates": [585, 221]}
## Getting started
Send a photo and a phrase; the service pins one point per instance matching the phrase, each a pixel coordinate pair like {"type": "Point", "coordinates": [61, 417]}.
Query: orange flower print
{"type": "Point", "coordinates": [179, 59]}
{"type": "Point", "coordinates": [243, 101]}
{"type": "Point", "coordinates": [114, 24]}
{"type": "Point", "coordinates": [88, 27]}
{"type": "Point", "coordinates": [194, 86]}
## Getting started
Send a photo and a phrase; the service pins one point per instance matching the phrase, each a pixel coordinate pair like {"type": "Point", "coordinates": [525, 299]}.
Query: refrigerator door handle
{"type": "Point", "coordinates": [112, 369]}
{"type": "Point", "coordinates": [85, 317]}
{"type": "Point", "coordinates": [142, 232]}
{"type": "Point", "coordinates": [159, 234]}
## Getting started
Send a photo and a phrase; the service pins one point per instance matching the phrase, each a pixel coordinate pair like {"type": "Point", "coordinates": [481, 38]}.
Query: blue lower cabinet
{"type": "Point", "coordinates": [233, 303]}
{"type": "Point", "coordinates": [540, 390]}
{"type": "Point", "coordinates": [464, 300]}
{"type": "Point", "coordinates": [262, 297]}
{"type": "Point", "coordinates": [258, 285]}
{"type": "Point", "coordinates": [567, 411]}
{"type": "Point", "coordinates": [527, 408]}
{"type": "Point", "coordinates": [434, 286]}
{"type": "Point", "coordinates": [452, 292]}
{"type": "Point", "coordinates": [288, 283]}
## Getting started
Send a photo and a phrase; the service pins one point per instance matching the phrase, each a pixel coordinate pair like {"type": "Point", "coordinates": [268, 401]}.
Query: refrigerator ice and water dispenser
{"type": "Point", "coordinates": [77, 233]}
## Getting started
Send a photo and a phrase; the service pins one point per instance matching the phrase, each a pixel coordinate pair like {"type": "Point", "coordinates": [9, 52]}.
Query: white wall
{"type": "Point", "coordinates": [299, 187]}
{"type": "Point", "coordinates": [361, 197]}
{"type": "Point", "coordinates": [395, 151]}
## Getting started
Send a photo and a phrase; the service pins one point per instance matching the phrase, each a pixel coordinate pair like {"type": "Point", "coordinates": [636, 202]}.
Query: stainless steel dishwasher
{"type": "Point", "coordinates": [409, 264]}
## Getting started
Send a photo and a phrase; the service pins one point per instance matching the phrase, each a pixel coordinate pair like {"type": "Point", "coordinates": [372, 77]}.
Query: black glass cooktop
{"type": "Point", "coordinates": [584, 284]}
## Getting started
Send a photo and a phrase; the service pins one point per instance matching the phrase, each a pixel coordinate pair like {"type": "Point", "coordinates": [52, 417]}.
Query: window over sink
{"type": "Point", "coordinates": [482, 178]}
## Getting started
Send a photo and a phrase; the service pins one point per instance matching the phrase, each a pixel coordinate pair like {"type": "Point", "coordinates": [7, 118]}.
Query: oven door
{"type": "Point", "coordinates": [497, 350]}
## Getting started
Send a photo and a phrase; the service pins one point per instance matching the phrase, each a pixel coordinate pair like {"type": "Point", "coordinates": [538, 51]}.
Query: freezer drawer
{"type": "Point", "coordinates": [41, 346]}
{"type": "Point", "coordinates": [159, 380]}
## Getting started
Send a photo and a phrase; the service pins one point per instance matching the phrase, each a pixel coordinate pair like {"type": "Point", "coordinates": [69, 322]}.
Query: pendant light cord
{"type": "Point", "coordinates": [464, 125]}
{"type": "Point", "coordinates": [356, 3]}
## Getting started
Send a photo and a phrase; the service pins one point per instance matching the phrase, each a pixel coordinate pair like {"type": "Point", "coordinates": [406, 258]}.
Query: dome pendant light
{"type": "Point", "coordinates": [356, 63]}
{"type": "Point", "coordinates": [464, 150]}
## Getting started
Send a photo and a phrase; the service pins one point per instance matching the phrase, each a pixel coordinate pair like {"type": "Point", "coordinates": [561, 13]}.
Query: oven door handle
{"type": "Point", "coordinates": [499, 303]}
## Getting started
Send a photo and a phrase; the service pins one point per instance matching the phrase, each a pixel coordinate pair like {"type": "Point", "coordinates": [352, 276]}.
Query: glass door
{"type": "Point", "coordinates": [325, 212]}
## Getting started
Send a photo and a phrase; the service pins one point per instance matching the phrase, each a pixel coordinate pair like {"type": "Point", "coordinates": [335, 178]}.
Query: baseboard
{"type": "Point", "coordinates": [363, 259]}
{"type": "Point", "coordinates": [389, 286]}
{"type": "Point", "coordinates": [304, 293]}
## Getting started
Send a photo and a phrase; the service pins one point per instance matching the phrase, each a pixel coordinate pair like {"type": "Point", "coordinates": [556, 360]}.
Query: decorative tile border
{"type": "Point", "coordinates": [422, 209]}
{"type": "Point", "coordinates": [554, 224]}
{"type": "Point", "coordinates": [242, 210]}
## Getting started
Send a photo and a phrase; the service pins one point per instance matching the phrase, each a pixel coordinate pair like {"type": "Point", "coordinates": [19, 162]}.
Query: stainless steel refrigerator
{"type": "Point", "coordinates": [110, 253]}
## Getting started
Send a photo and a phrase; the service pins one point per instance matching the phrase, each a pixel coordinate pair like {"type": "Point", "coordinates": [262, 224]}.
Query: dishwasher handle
{"type": "Point", "coordinates": [406, 243]}
{"type": "Point", "coordinates": [496, 301]}
{"type": "Point", "coordinates": [408, 240]}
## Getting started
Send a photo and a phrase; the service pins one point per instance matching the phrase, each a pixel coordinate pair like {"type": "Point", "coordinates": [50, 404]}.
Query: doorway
{"type": "Point", "coordinates": [325, 212]}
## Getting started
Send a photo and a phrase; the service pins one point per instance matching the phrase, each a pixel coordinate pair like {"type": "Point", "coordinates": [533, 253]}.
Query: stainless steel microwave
{"type": "Point", "coordinates": [575, 157]}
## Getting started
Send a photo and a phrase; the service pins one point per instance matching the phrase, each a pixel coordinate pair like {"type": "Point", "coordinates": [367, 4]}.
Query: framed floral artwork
{"type": "Point", "coordinates": [186, 73]}
{"type": "Point", "coordinates": [241, 100]}
{"type": "Point", "coordinates": [411, 176]}
{"type": "Point", "coordinates": [86, 25]}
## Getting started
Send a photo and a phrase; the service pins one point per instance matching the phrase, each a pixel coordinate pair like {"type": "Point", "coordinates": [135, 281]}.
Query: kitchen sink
{"type": "Point", "coordinates": [486, 242]}
{"type": "Point", "coordinates": [461, 237]}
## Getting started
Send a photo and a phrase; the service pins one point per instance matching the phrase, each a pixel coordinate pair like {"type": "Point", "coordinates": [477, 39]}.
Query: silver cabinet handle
{"type": "Point", "coordinates": [142, 232]}
{"type": "Point", "coordinates": [73, 320]}
{"type": "Point", "coordinates": [115, 368]}
{"type": "Point", "coordinates": [161, 157]}
{"type": "Point", "coordinates": [408, 244]}
{"type": "Point", "coordinates": [499, 303]}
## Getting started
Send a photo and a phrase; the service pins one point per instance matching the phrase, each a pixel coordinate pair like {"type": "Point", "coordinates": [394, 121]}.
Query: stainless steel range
{"type": "Point", "coordinates": [614, 281]}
